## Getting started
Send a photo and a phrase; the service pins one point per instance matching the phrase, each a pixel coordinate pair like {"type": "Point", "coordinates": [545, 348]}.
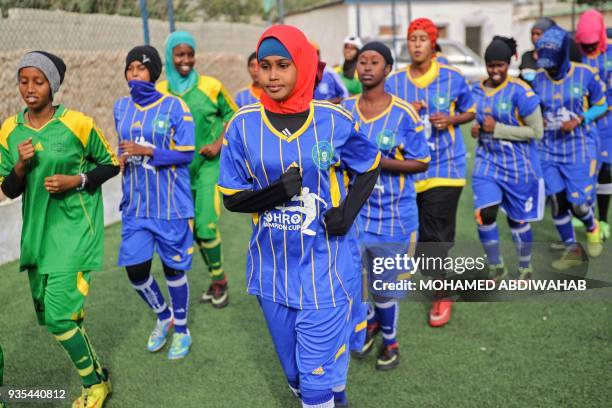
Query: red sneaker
{"type": "Point", "coordinates": [440, 312]}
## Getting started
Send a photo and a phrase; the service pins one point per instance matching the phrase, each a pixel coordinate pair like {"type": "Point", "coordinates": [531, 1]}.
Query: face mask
{"type": "Point", "coordinates": [528, 74]}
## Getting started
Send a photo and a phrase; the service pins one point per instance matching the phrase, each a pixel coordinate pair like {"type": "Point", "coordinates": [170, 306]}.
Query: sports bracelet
{"type": "Point", "coordinates": [83, 182]}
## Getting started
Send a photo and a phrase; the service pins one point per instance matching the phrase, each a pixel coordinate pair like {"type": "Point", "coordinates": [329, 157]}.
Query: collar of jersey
{"type": "Point", "coordinates": [59, 111]}
{"type": "Point", "coordinates": [151, 105]}
{"type": "Point", "coordinates": [491, 92]}
{"type": "Point", "coordinates": [426, 79]}
{"type": "Point", "coordinates": [297, 133]}
{"type": "Point", "coordinates": [560, 81]}
{"type": "Point", "coordinates": [375, 118]}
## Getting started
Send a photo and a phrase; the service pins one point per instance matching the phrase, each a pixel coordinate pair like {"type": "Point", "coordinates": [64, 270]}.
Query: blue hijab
{"type": "Point", "coordinates": [176, 82]}
{"type": "Point", "coordinates": [553, 49]}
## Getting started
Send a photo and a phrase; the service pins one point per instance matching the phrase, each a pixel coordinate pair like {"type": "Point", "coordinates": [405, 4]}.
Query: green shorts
{"type": "Point", "coordinates": [59, 299]}
{"type": "Point", "coordinates": [207, 201]}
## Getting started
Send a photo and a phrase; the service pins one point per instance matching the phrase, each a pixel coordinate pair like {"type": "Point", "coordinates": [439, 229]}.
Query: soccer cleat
{"type": "Point", "coordinates": [557, 246]}
{"type": "Point", "coordinates": [181, 343]}
{"type": "Point", "coordinates": [605, 230]}
{"type": "Point", "coordinates": [594, 245]}
{"type": "Point", "coordinates": [208, 295]}
{"type": "Point", "coordinates": [94, 396]}
{"type": "Point", "coordinates": [572, 257]}
{"type": "Point", "coordinates": [497, 272]}
{"type": "Point", "coordinates": [220, 294]}
{"type": "Point", "coordinates": [440, 312]}
{"type": "Point", "coordinates": [525, 273]}
{"type": "Point", "coordinates": [368, 345]}
{"type": "Point", "coordinates": [388, 357]}
{"type": "Point", "coordinates": [159, 335]}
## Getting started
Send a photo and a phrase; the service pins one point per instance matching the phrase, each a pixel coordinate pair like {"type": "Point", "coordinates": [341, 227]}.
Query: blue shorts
{"type": "Point", "coordinates": [375, 249]}
{"type": "Point", "coordinates": [173, 240]}
{"type": "Point", "coordinates": [311, 344]}
{"type": "Point", "coordinates": [520, 201]}
{"type": "Point", "coordinates": [577, 179]}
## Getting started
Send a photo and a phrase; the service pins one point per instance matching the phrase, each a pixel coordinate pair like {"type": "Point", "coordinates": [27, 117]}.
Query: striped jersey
{"type": "Point", "coordinates": [148, 191]}
{"type": "Point", "coordinates": [510, 161]}
{"type": "Point", "coordinates": [399, 134]}
{"type": "Point", "coordinates": [291, 259]}
{"type": "Point", "coordinates": [602, 62]}
{"type": "Point", "coordinates": [442, 89]}
{"type": "Point", "coordinates": [247, 96]}
{"type": "Point", "coordinates": [563, 100]}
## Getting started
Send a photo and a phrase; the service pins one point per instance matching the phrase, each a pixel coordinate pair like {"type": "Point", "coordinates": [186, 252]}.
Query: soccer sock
{"type": "Point", "coordinates": [604, 190]}
{"type": "Point", "coordinates": [372, 319]}
{"type": "Point", "coordinates": [96, 360]}
{"type": "Point", "coordinates": [523, 240]}
{"type": "Point", "coordinates": [340, 395]}
{"type": "Point", "coordinates": [563, 223]}
{"type": "Point", "coordinates": [76, 346]}
{"type": "Point", "coordinates": [213, 257]}
{"type": "Point", "coordinates": [179, 293]}
{"type": "Point", "coordinates": [489, 236]}
{"type": "Point", "coordinates": [387, 316]}
{"type": "Point", "coordinates": [603, 202]}
{"type": "Point", "coordinates": [149, 291]}
{"type": "Point", "coordinates": [589, 220]}
{"type": "Point", "coordinates": [317, 399]}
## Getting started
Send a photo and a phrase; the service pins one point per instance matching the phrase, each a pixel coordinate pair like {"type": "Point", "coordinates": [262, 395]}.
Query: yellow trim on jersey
{"type": "Point", "coordinates": [188, 118]}
{"type": "Point", "coordinates": [340, 352]}
{"type": "Point", "coordinates": [424, 185]}
{"type": "Point", "coordinates": [491, 92]}
{"type": "Point", "coordinates": [254, 107]}
{"type": "Point", "coordinates": [375, 118]}
{"type": "Point", "coordinates": [361, 326]}
{"type": "Point", "coordinates": [402, 176]}
{"type": "Point", "coordinates": [210, 86]}
{"type": "Point", "coordinates": [337, 108]}
{"type": "Point", "coordinates": [294, 136]}
{"type": "Point", "coordinates": [229, 191]}
{"type": "Point", "coordinates": [151, 105]}
{"type": "Point", "coordinates": [334, 187]}
{"type": "Point", "coordinates": [521, 83]}
{"type": "Point", "coordinates": [376, 162]}
{"type": "Point", "coordinates": [426, 79]}
{"type": "Point", "coordinates": [184, 148]}
{"type": "Point", "coordinates": [79, 124]}
{"type": "Point", "coordinates": [424, 160]}
{"type": "Point", "coordinates": [419, 128]}
{"type": "Point", "coordinates": [601, 101]}
{"type": "Point", "coordinates": [408, 108]}
{"type": "Point", "coordinates": [5, 131]}
{"type": "Point", "coordinates": [162, 87]}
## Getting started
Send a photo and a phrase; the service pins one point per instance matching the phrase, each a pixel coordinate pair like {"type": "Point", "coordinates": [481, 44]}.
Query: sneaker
{"type": "Point", "coordinates": [440, 312]}
{"type": "Point", "coordinates": [557, 246]}
{"type": "Point", "coordinates": [572, 257]}
{"type": "Point", "coordinates": [220, 296]}
{"type": "Point", "coordinates": [94, 396]}
{"type": "Point", "coordinates": [370, 340]}
{"type": "Point", "coordinates": [594, 245]}
{"type": "Point", "coordinates": [159, 335]}
{"type": "Point", "coordinates": [388, 357]}
{"type": "Point", "coordinates": [605, 230]}
{"type": "Point", "coordinates": [208, 295]}
{"type": "Point", "coordinates": [181, 343]}
{"type": "Point", "coordinates": [525, 273]}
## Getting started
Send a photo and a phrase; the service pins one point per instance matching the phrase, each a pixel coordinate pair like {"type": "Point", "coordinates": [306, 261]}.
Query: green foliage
{"type": "Point", "coordinates": [234, 10]}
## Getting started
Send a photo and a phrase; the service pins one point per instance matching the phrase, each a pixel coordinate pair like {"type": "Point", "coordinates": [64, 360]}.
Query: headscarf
{"type": "Point", "coordinates": [426, 25]}
{"type": "Point", "coordinates": [500, 49]}
{"type": "Point", "coordinates": [176, 82]}
{"type": "Point", "coordinates": [52, 66]}
{"type": "Point", "coordinates": [147, 56]}
{"type": "Point", "coordinates": [592, 29]}
{"type": "Point", "coordinates": [553, 51]}
{"type": "Point", "coordinates": [544, 23]}
{"type": "Point", "coordinates": [380, 48]}
{"type": "Point", "coordinates": [306, 61]}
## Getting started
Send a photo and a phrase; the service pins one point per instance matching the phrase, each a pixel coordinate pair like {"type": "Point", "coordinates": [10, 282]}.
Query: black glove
{"type": "Point", "coordinates": [291, 181]}
{"type": "Point", "coordinates": [335, 221]}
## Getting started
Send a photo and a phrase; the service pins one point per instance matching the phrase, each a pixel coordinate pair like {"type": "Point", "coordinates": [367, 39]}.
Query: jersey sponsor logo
{"type": "Point", "coordinates": [554, 120]}
{"type": "Point", "coordinates": [322, 155]}
{"type": "Point", "coordinates": [386, 139]}
{"type": "Point", "coordinates": [142, 160]}
{"type": "Point", "coordinates": [297, 215]}
{"type": "Point", "coordinates": [379, 187]}
{"type": "Point", "coordinates": [136, 124]}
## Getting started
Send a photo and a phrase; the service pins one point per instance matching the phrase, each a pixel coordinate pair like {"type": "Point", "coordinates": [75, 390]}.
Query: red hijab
{"type": "Point", "coordinates": [306, 61]}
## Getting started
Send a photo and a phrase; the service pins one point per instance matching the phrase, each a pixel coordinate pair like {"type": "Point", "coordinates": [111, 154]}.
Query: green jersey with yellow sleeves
{"type": "Point", "coordinates": [61, 233]}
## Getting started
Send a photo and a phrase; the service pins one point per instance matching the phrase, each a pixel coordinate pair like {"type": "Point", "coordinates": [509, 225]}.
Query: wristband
{"type": "Point", "coordinates": [83, 182]}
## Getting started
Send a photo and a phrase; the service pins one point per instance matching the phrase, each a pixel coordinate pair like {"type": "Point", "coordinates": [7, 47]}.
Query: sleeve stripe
{"type": "Point", "coordinates": [419, 128]}
{"type": "Point", "coordinates": [376, 163]}
{"type": "Point", "coordinates": [601, 101]}
{"type": "Point", "coordinates": [188, 118]}
{"type": "Point", "coordinates": [424, 160]}
{"type": "Point", "coordinates": [229, 191]}
{"type": "Point", "coordinates": [184, 148]}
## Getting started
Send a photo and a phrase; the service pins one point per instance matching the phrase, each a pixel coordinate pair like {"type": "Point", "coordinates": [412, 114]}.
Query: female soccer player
{"type": "Point", "coordinates": [507, 171]}
{"type": "Point", "coordinates": [156, 142]}
{"type": "Point", "coordinates": [283, 161]}
{"type": "Point", "coordinates": [330, 87]}
{"type": "Point", "coordinates": [348, 70]}
{"type": "Point", "coordinates": [441, 96]}
{"type": "Point", "coordinates": [572, 97]}
{"type": "Point", "coordinates": [251, 93]}
{"type": "Point", "coordinates": [388, 223]}
{"type": "Point", "coordinates": [58, 159]}
{"type": "Point", "coordinates": [529, 64]}
{"type": "Point", "coordinates": [597, 50]}
{"type": "Point", "coordinates": [211, 107]}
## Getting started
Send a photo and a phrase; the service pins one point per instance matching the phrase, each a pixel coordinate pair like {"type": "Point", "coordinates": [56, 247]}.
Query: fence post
{"type": "Point", "coordinates": [171, 15]}
{"type": "Point", "coordinates": [145, 21]}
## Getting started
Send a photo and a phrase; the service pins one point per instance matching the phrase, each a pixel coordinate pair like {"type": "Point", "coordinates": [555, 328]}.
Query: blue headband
{"type": "Point", "coordinates": [271, 46]}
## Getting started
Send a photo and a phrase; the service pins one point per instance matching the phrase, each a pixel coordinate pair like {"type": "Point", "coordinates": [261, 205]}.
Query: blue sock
{"type": "Point", "coordinates": [489, 236]}
{"type": "Point", "coordinates": [149, 292]}
{"type": "Point", "coordinates": [387, 314]}
{"type": "Point", "coordinates": [523, 240]}
{"type": "Point", "coordinates": [563, 223]}
{"type": "Point", "coordinates": [589, 220]}
{"type": "Point", "coordinates": [372, 319]}
{"type": "Point", "coordinates": [317, 399]}
{"type": "Point", "coordinates": [179, 293]}
{"type": "Point", "coordinates": [340, 395]}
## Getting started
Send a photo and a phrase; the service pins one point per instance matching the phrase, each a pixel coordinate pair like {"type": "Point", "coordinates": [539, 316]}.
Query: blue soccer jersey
{"type": "Point", "coordinates": [502, 159]}
{"type": "Point", "coordinates": [330, 87]}
{"type": "Point", "coordinates": [291, 259]}
{"type": "Point", "coordinates": [246, 96]}
{"type": "Point", "coordinates": [563, 100]}
{"type": "Point", "coordinates": [443, 89]}
{"type": "Point", "coordinates": [148, 191]}
{"type": "Point", "coordinates": [399, 134]}
{"type": "Point", "coordinates": [602, 62]}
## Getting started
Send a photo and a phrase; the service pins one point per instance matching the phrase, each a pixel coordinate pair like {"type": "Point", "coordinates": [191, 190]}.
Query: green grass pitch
{"type": "Point", "coordinates": [520, 354]}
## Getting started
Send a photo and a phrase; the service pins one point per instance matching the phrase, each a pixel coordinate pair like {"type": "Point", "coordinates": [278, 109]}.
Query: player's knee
{"type": "Point", "coordinates": [487, 215]}
{"type": "Point", "coordinates": [514, 224]}
{"type": "Point", "coordinates": [560, 205]}
{"type": "Point", "coordinates": [140, 272]}
{"type": "Point", "coordinates": [59, 327]}
{"type": "Point", "coordinates": [171, 272]}
{"type": "Point", "coordinates": [580, 210]}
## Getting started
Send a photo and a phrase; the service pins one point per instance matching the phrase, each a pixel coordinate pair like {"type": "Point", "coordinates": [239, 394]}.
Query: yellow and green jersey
{"type": "Point", "coordinates": [61, 233]}
{"type": "Point", "coordinates": [212, 107]}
